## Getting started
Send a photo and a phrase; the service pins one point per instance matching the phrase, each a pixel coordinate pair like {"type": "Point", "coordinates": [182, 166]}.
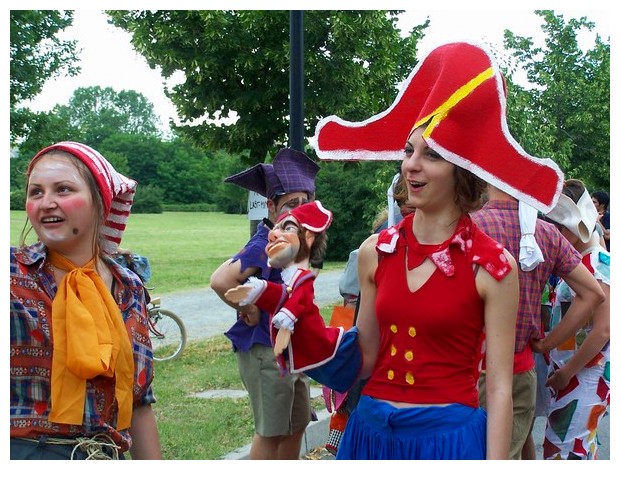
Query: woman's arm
{"type": "Point", "coordinates": [592, 345]}
{"type": "Point", "coordinates": [588, 296]}
{"type": "Point", "coordinates": [366, 319]}
{"type": "Point", "coordinates": [501, 300]}
{"type": "Point", "coordinates": [144, 435]}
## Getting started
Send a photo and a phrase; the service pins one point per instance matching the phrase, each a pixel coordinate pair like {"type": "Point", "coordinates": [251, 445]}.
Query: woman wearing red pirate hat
{"type": "Point", "coordinates": [436, 292]}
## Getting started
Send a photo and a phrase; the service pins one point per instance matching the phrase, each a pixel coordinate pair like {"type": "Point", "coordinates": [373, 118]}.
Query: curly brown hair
{"type": "Point", "coordinates": [314, 253]}
{"type": "Point", "coordinates": [574, 189]}
{"type": "Point", "coordinates": [468, 190]}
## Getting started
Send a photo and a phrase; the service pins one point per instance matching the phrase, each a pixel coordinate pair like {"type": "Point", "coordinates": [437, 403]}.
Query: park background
{"type": "Point", "coordinates": [225, 74]}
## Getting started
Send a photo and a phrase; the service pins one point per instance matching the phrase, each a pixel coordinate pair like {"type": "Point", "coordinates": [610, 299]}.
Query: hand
{"type": "Point", "coordinates": [558, 380]}
{"type": "Point", "coordinates": [239, 293]}
{"type": "Point", "coordinates": [537, 345]}
{"type": "Point", "coordinates": [250, 315]}
{"type": "Point", "coordinates": [282, 340]}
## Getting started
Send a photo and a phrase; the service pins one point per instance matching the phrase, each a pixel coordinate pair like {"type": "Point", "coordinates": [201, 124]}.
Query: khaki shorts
{"type": "Point", "coordinates": [280, 404]}
{"type": "Point", "coordinates": [523, 405]}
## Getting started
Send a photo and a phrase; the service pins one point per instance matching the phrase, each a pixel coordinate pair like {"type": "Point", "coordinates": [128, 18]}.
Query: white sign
{"type": "Point", "coordinates": [257, 206]}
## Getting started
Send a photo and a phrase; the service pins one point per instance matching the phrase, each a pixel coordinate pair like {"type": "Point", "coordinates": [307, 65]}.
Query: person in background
{"type": "Point", "coordinates": [436, 291]}
{"type": "Point", "coordinates": [579, 370]}
{"type": "Point", "coordinates": [504, 219]}
{"type": "Point", "coordinates": [601, 202]}
{"type": "Point", "coordinates": [297, 235]}
{"type": "Point", "coordinates": [81, 359]}
{"type": "Point", "coordinates": [280, 404]}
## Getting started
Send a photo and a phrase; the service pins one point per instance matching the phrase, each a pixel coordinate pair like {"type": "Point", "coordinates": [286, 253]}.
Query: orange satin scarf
{"type": "Point", "coordinates": [90, 339]}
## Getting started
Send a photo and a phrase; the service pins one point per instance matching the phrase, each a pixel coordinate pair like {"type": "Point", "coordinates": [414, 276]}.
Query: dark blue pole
{"type": "Point", "coordinates": [296, 84]}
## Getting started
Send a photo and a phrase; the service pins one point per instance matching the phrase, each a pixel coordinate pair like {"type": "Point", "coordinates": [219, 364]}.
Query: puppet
{"type": "Point", "coordinates": [297, 237]}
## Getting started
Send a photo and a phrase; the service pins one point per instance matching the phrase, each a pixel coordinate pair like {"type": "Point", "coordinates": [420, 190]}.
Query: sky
{"type": "Point", "coordinates": [108, 60]}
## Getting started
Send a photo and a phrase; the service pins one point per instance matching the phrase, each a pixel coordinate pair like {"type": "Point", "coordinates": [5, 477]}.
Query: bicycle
{"type": "Point", "coordinates": [166, 329]}
{"type": "Point", "coordinates": [168, 334]}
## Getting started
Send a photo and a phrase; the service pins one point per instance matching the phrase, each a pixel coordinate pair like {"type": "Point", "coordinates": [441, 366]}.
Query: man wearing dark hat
{"type": "Point", "coordinates": [280, 404]}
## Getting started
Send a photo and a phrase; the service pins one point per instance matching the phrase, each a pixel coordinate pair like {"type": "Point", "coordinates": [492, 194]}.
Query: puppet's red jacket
{"type": "Point", "coordinates": [312, 342]}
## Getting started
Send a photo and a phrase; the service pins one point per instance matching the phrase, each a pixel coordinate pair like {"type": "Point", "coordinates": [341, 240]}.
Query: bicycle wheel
{"type": "Point", "coordinates": [168, 335]}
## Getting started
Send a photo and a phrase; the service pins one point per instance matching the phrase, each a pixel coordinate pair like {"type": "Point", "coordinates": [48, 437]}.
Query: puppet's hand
{"type": "Point", "coordinates": [238, 294]}
{"type": "Point", "coordinates": [282, 340]}
{"type": "Point", "coordinates": [282, 321]}
{"type": "Point", "coordinates": [247, 293]}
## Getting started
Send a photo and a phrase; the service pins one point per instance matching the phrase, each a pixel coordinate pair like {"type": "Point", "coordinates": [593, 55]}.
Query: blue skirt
{"type": "Point", "coordinates": [378, 431]}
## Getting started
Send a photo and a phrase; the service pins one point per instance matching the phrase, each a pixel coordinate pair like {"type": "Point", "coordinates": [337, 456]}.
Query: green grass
{"type": "Point", "coordinates": [198, 428]}
{"type": "Point", "coordinates": [184, 248]}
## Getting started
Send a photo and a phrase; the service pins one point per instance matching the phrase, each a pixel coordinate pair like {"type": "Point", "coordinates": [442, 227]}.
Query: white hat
{"type": "Point", "coordinates": [579, 218]}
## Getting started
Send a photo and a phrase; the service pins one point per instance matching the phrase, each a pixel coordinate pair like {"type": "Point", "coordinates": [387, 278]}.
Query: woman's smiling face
{"type": "Point", "coordinates": [429, 178]}
{"type": "Point", "coordinates": [59, 203]}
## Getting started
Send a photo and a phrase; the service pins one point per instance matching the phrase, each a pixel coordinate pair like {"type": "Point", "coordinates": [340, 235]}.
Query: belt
{"type": "Point", "coordinates": [97, 447]}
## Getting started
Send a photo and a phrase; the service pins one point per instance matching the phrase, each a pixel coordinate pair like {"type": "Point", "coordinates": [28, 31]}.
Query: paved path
{"type": "Point", "coordinates": [205, 315]}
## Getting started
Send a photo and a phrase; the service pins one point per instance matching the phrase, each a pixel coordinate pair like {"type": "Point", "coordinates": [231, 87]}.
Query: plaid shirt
{"type": "Point", "coordinates": [499, 219]}
{"type": "Point", "coordinates": [32, 290]}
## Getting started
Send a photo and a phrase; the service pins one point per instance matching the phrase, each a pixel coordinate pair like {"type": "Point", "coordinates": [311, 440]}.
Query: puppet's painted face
{"type": "Point", "coordinates": [283, 243]}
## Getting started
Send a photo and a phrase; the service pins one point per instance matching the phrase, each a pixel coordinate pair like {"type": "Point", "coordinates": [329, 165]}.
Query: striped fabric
{"type": "Point", "coordinates": [116, 190]}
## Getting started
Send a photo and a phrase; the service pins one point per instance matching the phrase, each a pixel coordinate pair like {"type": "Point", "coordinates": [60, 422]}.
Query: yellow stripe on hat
{"type": "Point", "coordinates": [442, 111]}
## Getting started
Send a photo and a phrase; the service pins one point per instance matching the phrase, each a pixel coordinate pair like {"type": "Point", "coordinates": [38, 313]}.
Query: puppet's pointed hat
{"type": "Point", "coordinates": [312, 216]}
{"type": "Point", "coordinates": [459, 92]}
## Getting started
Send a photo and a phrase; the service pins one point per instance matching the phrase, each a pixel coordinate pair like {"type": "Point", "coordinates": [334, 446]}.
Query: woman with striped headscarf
{"type": "Point", "coordinates": [81, 359]}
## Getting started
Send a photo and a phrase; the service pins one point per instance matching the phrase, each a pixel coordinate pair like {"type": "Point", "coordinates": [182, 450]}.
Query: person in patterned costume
{"type": "Point", "coordinates": [81, 358]}
{"type": "Point", "coordinates": [280, 404]}
{"type": "Point", "coordinates": [579, 370]}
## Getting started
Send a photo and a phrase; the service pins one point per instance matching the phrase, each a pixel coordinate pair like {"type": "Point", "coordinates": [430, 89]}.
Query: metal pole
{"type": "Point", "coordinates": [296, 84]}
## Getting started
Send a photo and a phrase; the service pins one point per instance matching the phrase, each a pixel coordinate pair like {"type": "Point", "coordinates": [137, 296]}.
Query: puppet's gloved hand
{"type": "Point", "coordinates": [282, 320]}
{"type": "Point", "coordinates": [258, 286]}
{"type": "Point", "coordinates": [247, 293]}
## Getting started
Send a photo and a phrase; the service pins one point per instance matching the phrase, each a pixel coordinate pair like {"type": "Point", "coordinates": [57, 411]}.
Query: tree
{"type": "Point", "coordinates": [97, 113]}
{"type": "Point", "coordinates": [97, 117]}
{"type": "Point", "coordinates": [36, 56]}
{"type": "Point", "coordinates": [238, 61]}
{"type": "Point", "coordinates": [352, 191]}
{"type": "Point", "coordinates": [564, 113]}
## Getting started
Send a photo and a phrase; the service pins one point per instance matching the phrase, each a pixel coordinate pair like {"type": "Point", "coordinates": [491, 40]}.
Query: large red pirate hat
{"type": "Point", "coordinates": [117, 191]}
{"type": "Point", "coordinates": [458, 90]}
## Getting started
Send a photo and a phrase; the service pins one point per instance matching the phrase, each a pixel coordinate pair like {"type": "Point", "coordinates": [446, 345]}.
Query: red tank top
{"type": "Point", "coordinates": [431, 339]}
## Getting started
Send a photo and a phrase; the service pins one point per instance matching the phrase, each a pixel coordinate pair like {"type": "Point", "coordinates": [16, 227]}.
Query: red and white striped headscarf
{"type": "Point", "coordinates": [116, 190]}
